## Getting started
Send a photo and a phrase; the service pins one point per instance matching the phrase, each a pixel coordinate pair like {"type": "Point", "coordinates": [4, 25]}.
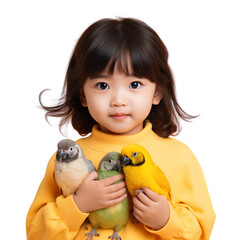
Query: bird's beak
{"type": "Point", "coordinates": [61, 155]}
{"type": "Point", "coordinates": [118, 166]}
{"type": "Point", "coordinates": [126, 161]}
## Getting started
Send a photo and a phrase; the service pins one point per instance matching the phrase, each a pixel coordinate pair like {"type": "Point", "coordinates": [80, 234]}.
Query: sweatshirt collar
{"type": "Point", "coordinates": [102, 140]}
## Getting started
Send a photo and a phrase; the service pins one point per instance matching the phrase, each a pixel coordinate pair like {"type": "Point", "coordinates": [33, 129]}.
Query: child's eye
{"type": "Point", "coordinates": [135, 85]}
{"type": "Point", "coordinates": [102, 86]}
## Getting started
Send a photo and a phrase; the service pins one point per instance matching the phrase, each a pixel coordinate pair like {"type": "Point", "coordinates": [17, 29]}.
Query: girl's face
{"type": "Point", "coordinates": [119, 103]}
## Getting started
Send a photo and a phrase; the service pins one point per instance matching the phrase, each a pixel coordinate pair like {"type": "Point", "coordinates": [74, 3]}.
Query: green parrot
{"type": "Point", "coordinates": [115, 216]}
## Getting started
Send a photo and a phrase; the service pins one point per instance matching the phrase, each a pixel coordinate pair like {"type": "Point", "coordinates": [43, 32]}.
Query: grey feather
{"type": "Point", "coordinates": [90, 166]}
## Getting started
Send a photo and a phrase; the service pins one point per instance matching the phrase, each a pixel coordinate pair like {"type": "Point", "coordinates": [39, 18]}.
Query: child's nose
{"type": "Point", "coordinates": [118, 99]}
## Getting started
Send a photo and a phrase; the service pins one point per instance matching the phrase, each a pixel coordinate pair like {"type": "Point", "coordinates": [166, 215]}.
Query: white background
{"type": "Point", "coordinates": [37, 38]}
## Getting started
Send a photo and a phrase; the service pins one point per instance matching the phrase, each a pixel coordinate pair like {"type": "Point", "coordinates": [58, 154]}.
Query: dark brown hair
{"type": "Point", "coordinates": [110, 42]}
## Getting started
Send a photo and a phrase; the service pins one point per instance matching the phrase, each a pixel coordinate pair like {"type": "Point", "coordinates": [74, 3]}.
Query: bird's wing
{"type": "Point", "coordinates": [90, 166]}
{"type": "Point", "coordinates": [161, 179]}
{"type": "Point", "coordinates": [60, 190]}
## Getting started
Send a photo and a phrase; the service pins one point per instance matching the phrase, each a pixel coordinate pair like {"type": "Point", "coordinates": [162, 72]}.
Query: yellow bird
{"type": "Point", "coordinates": [140, 171]}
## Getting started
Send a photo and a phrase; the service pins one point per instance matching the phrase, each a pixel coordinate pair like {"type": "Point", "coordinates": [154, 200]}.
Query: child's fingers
{"type": "Point", "coordinates": [140, 194]}
{"type": "Point", "coordinates": [116, 200]}
{"type": "Point", "coordinates": [151, 194]}
{"type": "Point", "coordinates": [91, 176]}
{"type": "Point", "coordinates": [138, 204]}
{"type": "Point", "coordinates": [137, 213]}
{"type": "Point", "coordinates": [116, 187]}
{"type": "Point", "coordinates": [117, 194]}
{"type": "Point", "coordinates": [111, 180]}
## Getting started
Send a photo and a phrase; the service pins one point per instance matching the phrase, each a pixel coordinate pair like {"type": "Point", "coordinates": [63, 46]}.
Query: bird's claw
{"type": "Point", "coordinates": [115, 236]}
{"type": "Point", "coordinates": [85, 223]}
{"type": "Point", "coordinates": [134, 220]}
{"type": "Point", "coordinates": [91, 234]}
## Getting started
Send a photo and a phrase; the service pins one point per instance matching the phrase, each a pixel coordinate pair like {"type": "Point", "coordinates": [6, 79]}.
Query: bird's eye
{"type": "Point", "coordinates": [71, 148]}
{"type": "Point", "coordinates": [110, 160]}
{"type": "Point", "coordinates": [134, 154]}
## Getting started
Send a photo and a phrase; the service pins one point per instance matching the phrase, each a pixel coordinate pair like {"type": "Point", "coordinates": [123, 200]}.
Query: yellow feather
{"type": "Point", "coordinates": [144, 173]}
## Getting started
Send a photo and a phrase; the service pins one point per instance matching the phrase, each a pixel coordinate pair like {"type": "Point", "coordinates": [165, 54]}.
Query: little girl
{"type": "Point", "coordinates": [119, 87]}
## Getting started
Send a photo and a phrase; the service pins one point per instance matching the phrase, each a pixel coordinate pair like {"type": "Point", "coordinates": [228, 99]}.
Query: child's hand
{"type": "Point", "coordinates": [150, 208]}
{"type": "Point", "coordinates": [95, 194]}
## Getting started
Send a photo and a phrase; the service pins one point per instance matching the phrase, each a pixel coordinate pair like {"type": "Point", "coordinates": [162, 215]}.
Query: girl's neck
{"type": "Point", "coordinates": [133, 131]}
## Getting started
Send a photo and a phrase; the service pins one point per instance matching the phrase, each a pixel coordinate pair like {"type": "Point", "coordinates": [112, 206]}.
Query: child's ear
{"type": "Point", "coordinates": [157, 95]}
{"type": "Point", "coordinates": [83, 102]}
{"type": "Point", "coordinates": [82, 99]}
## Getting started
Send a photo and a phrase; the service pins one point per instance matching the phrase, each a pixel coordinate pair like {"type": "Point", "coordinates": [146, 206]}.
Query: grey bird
{"type": "Point", "coordinates": [71, 166]}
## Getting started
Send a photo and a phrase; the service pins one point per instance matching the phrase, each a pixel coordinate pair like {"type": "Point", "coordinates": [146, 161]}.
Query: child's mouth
{"type": "Point", "coordinates": [119, 116]}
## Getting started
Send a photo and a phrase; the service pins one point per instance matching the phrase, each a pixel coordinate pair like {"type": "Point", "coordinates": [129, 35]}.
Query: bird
{"type": "Point", "coordinates": [140, 171]}
{"type": "Point", "coordinates": [117, 215]}
{"type": "Point", "coordinates": [71, 166]}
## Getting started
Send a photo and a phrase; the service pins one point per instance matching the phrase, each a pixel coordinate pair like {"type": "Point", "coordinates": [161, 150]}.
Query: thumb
{"type": "Point", "coordinates": [91, 176]}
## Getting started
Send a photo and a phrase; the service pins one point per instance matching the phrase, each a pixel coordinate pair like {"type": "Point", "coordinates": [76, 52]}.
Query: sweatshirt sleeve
{"type": "Point", "coordinates": [51, 215]}
{"type": "Point", "coordinates": [191, 212]}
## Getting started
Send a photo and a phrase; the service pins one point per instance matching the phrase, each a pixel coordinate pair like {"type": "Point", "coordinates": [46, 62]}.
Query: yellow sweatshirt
{"type": "Point", "coordinates": [51, 216]}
